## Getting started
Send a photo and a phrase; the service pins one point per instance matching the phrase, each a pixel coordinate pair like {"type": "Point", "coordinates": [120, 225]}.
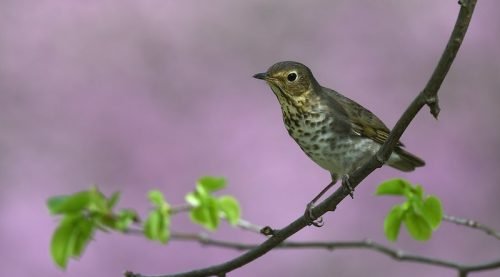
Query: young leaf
{"type": "Point", "coordinates": [393, 187]}
{"type": "Point", "coordinates": [125, 218]}
{"type": "Point", "coordinates": [82, 236]}
{"type": "Point", "coordinates": [104, 221]}
{"type": "Point", "coordinates": [70, 238]}
{"type": "Point", "coordinates": [115, 197]}
{"type": "Point", "coordinates": [433, 211]}
{"type": "Point", "coordinates": [157, 227]}
{"type": "Point", "coordinates": [392, 222]}
{"type": "Point", "coordinates": [230, 207]}
{"type": "Point", "coordinates": [422, 214]}
{"type": "Point", "coordinates": [156, 198]}
{"type": "Point", "coordinates": [68, 204]}
{"type": "Point", "coordinates": [151, 225]}
{"type": "Point", "coordinates": [207, 214]}
{"type": "Point", "coordinates": [211, 184]}
{"type": "Point", "coordinates": [59, 248]}
{"type": "Point", "coordinates": [98, 201]}
{"type": "Point", "coordinates": [165, 232]}
{"type": "Point", "coordinates": [54, 202]}
{"type": "Point", "coordinates": [419, 191]}
{"type": "Point", "coordinates": [416, 204]}
{"type": "Point", "coordinates": [193, 199]}
{"type": "Point", "coordinates": [418, 227]}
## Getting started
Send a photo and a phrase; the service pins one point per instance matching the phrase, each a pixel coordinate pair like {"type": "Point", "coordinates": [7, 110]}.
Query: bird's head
{"type": "Point", "coordinates": [289, 80]}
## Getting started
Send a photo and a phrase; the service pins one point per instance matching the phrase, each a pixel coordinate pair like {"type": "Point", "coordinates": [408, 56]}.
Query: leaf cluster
{"type": "Point", "coordinates": [421, 214]}
{"type": "Point", "coordinates": [82, 214]}
{"type": "Point", "coordinates": [85, 212]}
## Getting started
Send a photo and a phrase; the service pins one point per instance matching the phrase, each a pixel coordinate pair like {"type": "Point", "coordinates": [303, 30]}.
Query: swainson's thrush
{"type": "Point", "coordinates": [337, 133]}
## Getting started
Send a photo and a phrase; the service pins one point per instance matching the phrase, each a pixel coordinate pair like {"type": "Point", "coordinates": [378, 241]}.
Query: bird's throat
{"type": "Point", "coordinates": [293, 106]}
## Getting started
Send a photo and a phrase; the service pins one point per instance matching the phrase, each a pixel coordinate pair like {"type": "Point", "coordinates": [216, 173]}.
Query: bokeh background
{"type": "Point", "coordinates": [137, 95]}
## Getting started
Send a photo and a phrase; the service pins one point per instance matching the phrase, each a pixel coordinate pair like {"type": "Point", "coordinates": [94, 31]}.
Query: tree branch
{"type": "Point", "coordinates": [396, 254]}
{"type": "Point", "coordinates": [472, 224]}
{"type": "Point", "coordinates": [362, 244]}
{"type": "Point", "coordinates": [428, 96]}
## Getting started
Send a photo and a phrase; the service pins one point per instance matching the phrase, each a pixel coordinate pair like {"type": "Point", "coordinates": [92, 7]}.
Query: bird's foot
{"type": "Point", "coordinates": [347, 185]}
{"type": "Point", "coordinates": [311, 219]}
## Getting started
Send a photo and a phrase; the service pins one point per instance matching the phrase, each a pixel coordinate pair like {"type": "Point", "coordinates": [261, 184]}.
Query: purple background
{"type": "Point", "coordinates": [136, 95]}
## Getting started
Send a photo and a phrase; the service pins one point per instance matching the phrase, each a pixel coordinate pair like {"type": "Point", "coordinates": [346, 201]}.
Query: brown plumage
{"type": "Point", "coordinates": [367, 124]}
{"type": "Point", "coordinates": [334, 131]}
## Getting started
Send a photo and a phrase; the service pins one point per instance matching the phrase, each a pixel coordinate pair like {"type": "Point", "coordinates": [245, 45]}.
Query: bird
{"type": "Point", "coordinates": [336, 132]}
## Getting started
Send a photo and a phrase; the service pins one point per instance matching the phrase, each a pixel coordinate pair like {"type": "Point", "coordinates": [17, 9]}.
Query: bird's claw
{"type": "Point", "coordinates": [311, 220]}
{"type": "Point", "coordinates": [347, 185]}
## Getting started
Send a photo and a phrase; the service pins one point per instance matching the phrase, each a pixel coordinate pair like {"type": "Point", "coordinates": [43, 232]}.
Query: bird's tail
{"type": "Point", "coordinates": [404, 161]}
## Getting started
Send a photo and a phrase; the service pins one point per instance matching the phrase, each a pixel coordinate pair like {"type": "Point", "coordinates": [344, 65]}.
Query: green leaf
{"type": "Point", "coordinates": [156, 198]}
{"type": "Point", "coordinates": [201, 193]}
{"type": "Point", "coordinates": [416, 204]}
{"type": "Point", "coordinates": [115, 197]}
{"type": "Point", "coordinates": [206, 214]}
{"type": "Point", "coordinates": [54, 202]}
{"type": "Point", "coordinates": [433, 211]}
{"type": "Point", "coordinates": [120, 221]}
{"type": "Point", "coordinates": [418, 227]}
{"type": "Point", "coordinates": [157, 227]}
{"type": "Point", "coordinates": [68, 204]}
{"type": "Point", "coordinates": [419, 191]}
{"type": "Point", "coordinates": [59, 247]}
{"type": "Point", "coordinates": [230, 207]}
{"type": "Point", "coordinates": [151, 225]}
{"type": "Point", "coordinates": [392, 222]}
{"type": "Point", "coordinates": [192, 198]}
{"type": "Point", "coordinates": [421, 214]}
{"type": "Point", "coordinates": [393, 187]}
{"type": "Point", "coordinates": [70, 239]}
{"type": "Point", "coordinates": [98, 201]}
{"type": "Point", "coordinates": [198, 197]}
{"type": "Point", "coordinates": [104, 221]}
{"type": "Point", "coordinates": [82, 235]}
{"type": "Point", "coordinates": [211, 184]}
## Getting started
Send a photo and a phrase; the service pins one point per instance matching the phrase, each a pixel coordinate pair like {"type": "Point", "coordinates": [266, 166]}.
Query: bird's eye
{"type": "Point", "coordinates": [291, 76]}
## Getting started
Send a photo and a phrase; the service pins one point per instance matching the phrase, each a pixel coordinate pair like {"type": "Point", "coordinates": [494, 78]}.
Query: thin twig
{"type": "Point", "coordinates": [428, 96]}
{"type": "Point", "coordinates": [472, 224]}
{"type": "Point", "coordinates": [180, 209]}
{"type": "Point", "coordinates": [396, 254]}
{"type": "Point", "coordinates": [248, 226]}
{"type": "Point", "coordinates": [242, 223]}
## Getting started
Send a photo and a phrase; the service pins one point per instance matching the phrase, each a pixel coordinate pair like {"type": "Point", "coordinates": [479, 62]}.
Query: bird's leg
{"type": "Point", "coordinates": [318, 222]}
{"type": "Point", "coordinates": [347, 185]}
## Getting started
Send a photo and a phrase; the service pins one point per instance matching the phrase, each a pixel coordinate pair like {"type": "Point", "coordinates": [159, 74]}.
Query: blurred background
{"type": "Point", "coordinates": [140, 95]}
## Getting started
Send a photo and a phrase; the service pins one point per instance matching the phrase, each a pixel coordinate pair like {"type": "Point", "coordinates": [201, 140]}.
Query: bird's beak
{"type": "Point", "coordinates": [261, 76]}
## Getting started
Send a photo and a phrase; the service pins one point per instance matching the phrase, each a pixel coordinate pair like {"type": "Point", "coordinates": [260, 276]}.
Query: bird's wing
{"type": "Point", "coordinates": [363, 122]}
